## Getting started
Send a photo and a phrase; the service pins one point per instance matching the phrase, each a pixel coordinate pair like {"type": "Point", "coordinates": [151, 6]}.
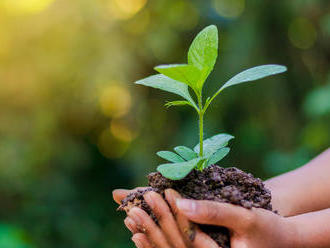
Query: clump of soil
{"type": "Point", "coordinates": [229, 185]}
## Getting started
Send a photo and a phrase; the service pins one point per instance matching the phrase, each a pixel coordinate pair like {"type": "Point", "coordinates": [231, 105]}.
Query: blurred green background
{"type": "Point", "coordinates": [73, 126]}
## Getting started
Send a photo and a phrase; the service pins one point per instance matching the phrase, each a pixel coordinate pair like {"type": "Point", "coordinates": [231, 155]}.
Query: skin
{"type": "Point", "coordinates": [290, 189]}
{"type": "Point", "coordinates": [249, 228]}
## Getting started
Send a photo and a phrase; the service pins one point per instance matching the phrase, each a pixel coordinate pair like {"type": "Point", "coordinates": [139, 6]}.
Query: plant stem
{"type": "Point", "coordinates": [207, 104]}
{"type": "Point", "coordinates": [201, 124]}
{"type": "Point", "coordinates": [201, 134]}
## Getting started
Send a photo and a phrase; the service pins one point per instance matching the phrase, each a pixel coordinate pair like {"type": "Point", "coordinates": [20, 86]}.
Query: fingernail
{"type": "Point", "coordinates": [137, 243]}
{"type": "Point", "coordinates": [148, 198]}
{"type": "Point", "coordinates": [186, 206]}
{"type": "Point", "coordinates": [130, 224]}
{"type": "Point", "coordinates": [119, 191]}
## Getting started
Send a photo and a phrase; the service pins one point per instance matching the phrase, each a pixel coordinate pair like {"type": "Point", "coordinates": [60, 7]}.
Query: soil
{"type": "Point", "coordinates": [229, 185]}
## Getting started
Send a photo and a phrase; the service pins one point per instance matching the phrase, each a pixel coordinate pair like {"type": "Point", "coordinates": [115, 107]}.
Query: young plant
{"type": "Point", "coordinates": [177, 79]}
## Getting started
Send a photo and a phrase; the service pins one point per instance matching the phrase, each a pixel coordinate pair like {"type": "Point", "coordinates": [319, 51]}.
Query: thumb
{"type": "Point", "coordinates": [119, 194]}
{"type": "Point", "coordinates": [215, 213]}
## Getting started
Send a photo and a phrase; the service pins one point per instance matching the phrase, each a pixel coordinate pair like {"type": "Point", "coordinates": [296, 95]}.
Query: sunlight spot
{"type": "Point", "coordinates": [25, 6]}
{"type": "Point", "coordinates": [121, 130]}
{"type": "Point", "coordinates": [125, 9]}
{"type": "Point", "coordinates": [115, 101]}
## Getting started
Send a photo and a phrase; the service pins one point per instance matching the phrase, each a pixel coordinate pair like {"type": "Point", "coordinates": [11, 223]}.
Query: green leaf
{"type": "Point", "coordinates": [218, 155]}
{"type": "Point", "coordinates": [162, 82]}
{"type": "Point", "coordinates": [177, 103]}
{"type": "Point", "coordinates": [248, 75]}
{"type": "Point", "coordinates": [170, 156]}
{"type": "Point", "coordinates": [184, 73]}
{"type": "Point", "coordinates": [254, 73]}
{"type": "Point", "coordinates": [203, 51]}
{"type": "Point", "coordinates": [213, 144]}
{"type": "Point", "coordinates": [177, 171]}
{"type": "Point", "coordinates": [186, 152]}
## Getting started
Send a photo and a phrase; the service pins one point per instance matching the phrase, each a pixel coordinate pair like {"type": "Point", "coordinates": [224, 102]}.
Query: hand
{"type": "Point", "coordinates": [174, 230]}
{"type": "Point", "coordinates": [255, 228]}
{"type": "Point", "coordinates": [249, 228]}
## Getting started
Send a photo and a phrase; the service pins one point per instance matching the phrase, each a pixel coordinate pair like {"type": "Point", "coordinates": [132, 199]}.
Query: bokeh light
{"type": "Point", "coordinates": [25, 6]}
{"type": "Point", "coordinates": [229, 8]}
{"type": "Point", "coordinates": [302, 33]}
{"type": "Point", "coordinates": [12, 237]}
{"type": "Point", "coordinates": [317, 103]}
{"type": "Point", "coordinates": [125, 9]}
{"type": "Point", "coordinates": [122, 131]}
{"type": "Point", "coordinates": [110, 146]}
{"type": "Point", "coordinates": [115, 101]}
{"type": "Point", "coordinates": [177, 15]}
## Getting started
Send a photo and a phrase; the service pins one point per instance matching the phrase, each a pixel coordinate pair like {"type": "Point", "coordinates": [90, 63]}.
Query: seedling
{"type": "Point", "coordinates": [177, 79]}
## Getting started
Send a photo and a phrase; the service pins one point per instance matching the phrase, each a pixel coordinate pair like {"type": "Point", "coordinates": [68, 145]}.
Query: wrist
{"type": "Point", "coordinates": [281, 200]}
{"type": "Point", "coordinates": [294, 239]}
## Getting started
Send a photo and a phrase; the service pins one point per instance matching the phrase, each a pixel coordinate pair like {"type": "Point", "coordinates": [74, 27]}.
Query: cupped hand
{"type": "Point", "coordinates": [174, 229]}
{"type": "Point", "coordinates": [255, 228]}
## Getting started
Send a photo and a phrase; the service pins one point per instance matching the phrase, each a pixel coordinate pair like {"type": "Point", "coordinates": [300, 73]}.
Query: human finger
{"type": "Point", "coordinates": [119, 194]}
{"type": "Point", "coordinates": [165, 219]}
{"type": "Point", "coordinates": [186, 227]}
{"type": "Point", "coordinates": [141, 241]}
{"type": "Point", "coordinates": [147, 226]}
{"type": "Point", "coordinates": [195, 237]}
{"type": "Point", "coordinates": [215, 213]}
{"type": "Point", "coordinates": [131, 225]}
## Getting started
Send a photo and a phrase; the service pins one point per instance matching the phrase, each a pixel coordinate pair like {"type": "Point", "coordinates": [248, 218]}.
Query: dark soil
{"type": "Point", "coordinates": [215, 183]}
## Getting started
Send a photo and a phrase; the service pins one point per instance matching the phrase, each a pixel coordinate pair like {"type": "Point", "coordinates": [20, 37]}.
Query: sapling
{"type": "Point", "coordinates": [178, 79]}
{"type": "Point", "coordinates": [192, 171]}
